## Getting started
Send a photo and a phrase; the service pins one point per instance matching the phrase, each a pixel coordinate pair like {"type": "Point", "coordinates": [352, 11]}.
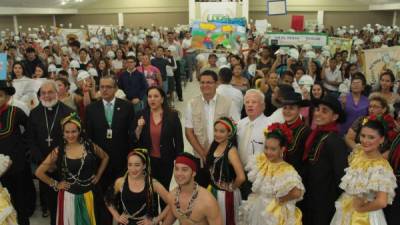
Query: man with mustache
{"type": "Point", "coordinates": [44, 134]}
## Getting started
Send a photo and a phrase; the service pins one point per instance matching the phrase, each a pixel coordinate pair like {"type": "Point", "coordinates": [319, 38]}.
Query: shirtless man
{"type": "Point", "coordinates": [190, 203]}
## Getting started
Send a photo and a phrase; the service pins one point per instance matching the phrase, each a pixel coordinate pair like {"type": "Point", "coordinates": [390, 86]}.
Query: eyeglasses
{"type": "Point", "coordinates": [375, 106]}
{"type": "Point", "coordinates": [207, 82]}
{"type": "Point", "coordinates": [106, 87]}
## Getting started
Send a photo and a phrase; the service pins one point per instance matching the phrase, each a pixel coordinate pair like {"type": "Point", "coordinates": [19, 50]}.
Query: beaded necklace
{"type": "Point", "coordinates": [189, 209]}
{"type": "Point", "coordinates": [132, 216]}
{"type": "Point", "coordinates": [75, 177]}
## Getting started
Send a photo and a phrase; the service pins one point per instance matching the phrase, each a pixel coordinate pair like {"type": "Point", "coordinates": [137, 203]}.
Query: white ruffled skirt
{"type": "Point", "coordinates": [346, 215]}
{"type": "Point", "coordinates": [259, 210]}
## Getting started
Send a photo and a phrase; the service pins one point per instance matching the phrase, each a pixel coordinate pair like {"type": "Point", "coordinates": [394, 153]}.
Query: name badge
{"type": "Point", "coordinates": [109, 134]}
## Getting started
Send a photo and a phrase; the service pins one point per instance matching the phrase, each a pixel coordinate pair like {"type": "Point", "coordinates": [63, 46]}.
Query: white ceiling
{"type": "Point", "coordinates": [43, 3]}
{"type": "Point", "coordinates": [78, 3]}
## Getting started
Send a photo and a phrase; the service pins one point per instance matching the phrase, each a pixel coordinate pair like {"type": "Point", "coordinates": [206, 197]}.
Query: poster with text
{"type": "Point", "coordinates": [375, 60]}
{"type": "Point", "coordinates": [317, 40]}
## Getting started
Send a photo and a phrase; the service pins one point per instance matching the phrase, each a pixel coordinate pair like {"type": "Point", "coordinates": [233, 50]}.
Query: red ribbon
{"type": "Point", "coordinates": [187, 161]}
{"type": "Point", "coordinates": [332, 127]}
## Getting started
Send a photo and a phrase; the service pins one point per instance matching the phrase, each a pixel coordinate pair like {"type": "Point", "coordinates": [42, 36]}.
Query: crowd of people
{"type": "Point", "coordinates": [278, 138]}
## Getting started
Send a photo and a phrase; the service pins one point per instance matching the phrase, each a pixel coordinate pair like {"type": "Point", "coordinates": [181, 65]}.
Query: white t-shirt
{"type": "Point", "coordinates": [331, 76]}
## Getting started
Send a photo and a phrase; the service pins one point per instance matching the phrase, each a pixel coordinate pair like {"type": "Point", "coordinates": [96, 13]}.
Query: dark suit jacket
{"type": "Point", "coordinates": [171, 141]}
{"type": "Point", "coordinates": [322, 179]}
{"type": "Point", "coordinates": [122, 127]}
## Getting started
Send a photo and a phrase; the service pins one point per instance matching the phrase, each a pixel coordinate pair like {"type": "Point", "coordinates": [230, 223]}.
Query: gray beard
{"type": "Point", "coordinates": [49, 104]}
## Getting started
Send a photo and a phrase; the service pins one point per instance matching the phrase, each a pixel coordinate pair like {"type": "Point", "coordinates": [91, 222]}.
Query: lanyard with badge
{"type": "Point", "coordinates": [109, 114]}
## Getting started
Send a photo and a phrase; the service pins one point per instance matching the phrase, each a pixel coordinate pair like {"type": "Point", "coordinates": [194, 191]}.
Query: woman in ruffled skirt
{"type": "Point", "coordinates": [226, 170]}
{"type": "Point", "coordinates": [8, 216]}
{"type": "Point", "coordinates": [276, 184]}
{"type": "Point", "coordinates": [369, 181]}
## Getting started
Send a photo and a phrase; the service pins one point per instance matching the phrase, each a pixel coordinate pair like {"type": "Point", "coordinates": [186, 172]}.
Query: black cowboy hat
{"type": "Point", "coordinates": [334, 104]}
{"type": "Point", "coordinates": [294, 98]}
{"type": "Point", "coordinates": [8, 89]}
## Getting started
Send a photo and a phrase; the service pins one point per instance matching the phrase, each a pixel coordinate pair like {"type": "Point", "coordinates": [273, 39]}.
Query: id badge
{"type": "Point", "coordinates": [109, 133]}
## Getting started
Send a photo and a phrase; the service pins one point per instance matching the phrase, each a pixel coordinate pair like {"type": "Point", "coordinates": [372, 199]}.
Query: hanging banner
{"type": "Point", "coordinates": [210, 35]}
{"type": "Point", "coordinates": [297, 23]}
{"type": "Point", "coordinates": [317, 40]}
{"type": "Point", "coordinates": [77, 34]}
{"type": "Point", "coordinates": [375, 60]}
{"type": "Point", "coordinates": [212, 10]}
{"type": "Point", "coordinates": [3, 66]}
{"type": "Point", "coordinates": [340, 44]}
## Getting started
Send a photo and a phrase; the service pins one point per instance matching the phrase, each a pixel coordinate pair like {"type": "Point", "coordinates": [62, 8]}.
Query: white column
{"type": "Point", "coordinates": [245, 9]}
{"type": "Point", "coordinates": [192, 11]}
{"type": "Point", "coordinates": [54, 21]}
{"type": "Point", "coordinates": [320, 17]}
{"type": "Point", "coordinates": [394, 18]}
{"type": "Point", "coordinates": [120, 19]}
{"type": "Point", "coordinates": [15, 21]}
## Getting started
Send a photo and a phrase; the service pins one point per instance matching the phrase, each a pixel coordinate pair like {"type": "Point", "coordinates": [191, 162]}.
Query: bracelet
{"type": "Point", "coordinates": [54, 185]}
{"type": "Point", "coordinates": [153, 221]}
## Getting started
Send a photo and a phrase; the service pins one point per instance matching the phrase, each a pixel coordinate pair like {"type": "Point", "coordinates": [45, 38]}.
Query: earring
{"type": "Point", "coordinates": [144, 172]}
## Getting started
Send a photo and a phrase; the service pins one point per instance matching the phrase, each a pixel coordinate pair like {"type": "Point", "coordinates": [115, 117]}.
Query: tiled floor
{"type": "Point", "coordinates": [191, 90]}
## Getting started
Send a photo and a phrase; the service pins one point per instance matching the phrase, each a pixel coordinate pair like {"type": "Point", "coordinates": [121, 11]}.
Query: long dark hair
{"type": "Point", "coordinates": [312, 107]}
{"type": "Point", "coordinates": [13, 76]}
{"type": "Point", "coordinates": [87, 143]}
{"type": "Point", "coordinates": [144, 157]}
{"type": "Point", "coordinates": [164, 105]}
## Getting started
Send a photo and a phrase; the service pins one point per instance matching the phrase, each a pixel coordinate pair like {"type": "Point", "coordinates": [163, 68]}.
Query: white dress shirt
{"type": "Point", "coordinates": [276, 117]}
{"type": "Point", "coordinates": [256, 141]}
{"type": "Point", "coordinates": [332, 76]}
{"type": "Point", "coordinates": [235, 95]}
{"type": "Point", "coordinates": [105, 103]}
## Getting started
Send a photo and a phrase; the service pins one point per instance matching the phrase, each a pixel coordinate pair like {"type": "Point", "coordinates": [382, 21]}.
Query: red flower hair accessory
{"type": "Point", "coordinates": [280, 129]}
{"type": "Point", "coordinates": [387, 122]}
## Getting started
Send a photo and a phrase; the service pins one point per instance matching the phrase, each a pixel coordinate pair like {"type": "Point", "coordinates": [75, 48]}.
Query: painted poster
{"type": "Point", "coordinates": [206, 35]}
{"type": "Point", "coordinates": [317, 40]}
{"type": "Point", "coordinates": [381, 58]}
{"type": "Point", "coordinates": [3, 66]}
{"type": "Point", "coordinates": [340, 44]}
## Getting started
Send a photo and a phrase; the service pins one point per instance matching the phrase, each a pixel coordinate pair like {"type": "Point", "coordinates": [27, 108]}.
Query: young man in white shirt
{"type": "Point", "coordinates": [332, 77]}
{"type": "Point", "coordinates": [226, 89]}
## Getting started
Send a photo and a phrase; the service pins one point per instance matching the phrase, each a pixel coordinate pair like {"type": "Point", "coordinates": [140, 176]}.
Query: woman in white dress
{"type": "Point", "coordinates": [24, 86]}
{"type": "Point", "coordinates": [276, 184]}
{"type": "Point", "coordinates": [369, 181]}
{"type": "Point", "coordinates": [8, 216]}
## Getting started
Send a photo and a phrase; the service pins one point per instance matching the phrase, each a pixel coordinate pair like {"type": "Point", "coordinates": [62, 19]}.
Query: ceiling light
{"type": "Point", "coordinates": [63, 3]}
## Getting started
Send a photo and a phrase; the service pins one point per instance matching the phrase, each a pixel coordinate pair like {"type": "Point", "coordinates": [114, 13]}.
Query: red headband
{"type": "Point", "coordinates": [187, 161]}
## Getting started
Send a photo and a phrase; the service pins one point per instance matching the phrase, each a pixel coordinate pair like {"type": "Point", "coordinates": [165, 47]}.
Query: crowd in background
{"type": "Point", "coordinates": [79, 107]}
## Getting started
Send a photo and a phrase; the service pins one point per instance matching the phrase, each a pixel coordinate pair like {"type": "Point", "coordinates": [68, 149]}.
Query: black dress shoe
{"type": "Point", "coordinates": [180, 99]}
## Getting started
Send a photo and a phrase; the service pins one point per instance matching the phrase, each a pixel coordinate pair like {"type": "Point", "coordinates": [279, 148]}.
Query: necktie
{"type": "Point", "coordinates": [109, 110]}
{"type": "Point", "coordinates": [244, 144]}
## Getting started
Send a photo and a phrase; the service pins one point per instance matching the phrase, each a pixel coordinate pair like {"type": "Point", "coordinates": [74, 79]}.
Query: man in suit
{"type": "Point", "coordinates": [110, 124]}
